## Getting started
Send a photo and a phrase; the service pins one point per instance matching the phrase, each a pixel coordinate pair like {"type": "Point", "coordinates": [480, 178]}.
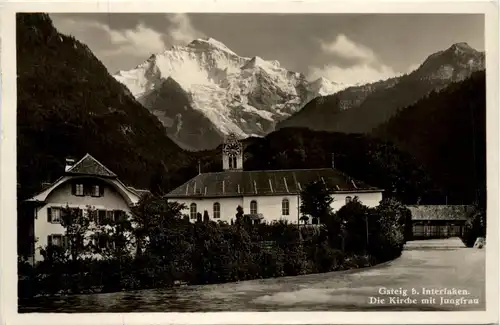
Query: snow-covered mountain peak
{"type": "Point", "coordinates": [321, 81]}
{"type": "Point", "coordinates": [209, 43]}
{"type": "Point", "coordinates": [237, 94]}
{"type": "Point", "coordinates": [323, 86]}
{"type": "Point", "coordinates": [258, 62]}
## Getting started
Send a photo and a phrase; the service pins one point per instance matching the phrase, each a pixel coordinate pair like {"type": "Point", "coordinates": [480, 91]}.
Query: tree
{"type": "Point", "coordinates": [150, 214]}
{"type": "Point", "coordinates": [239, 214]}
{"type": "Point", "coordinates": [352, 220]}
{"type": "Point", "coordinates": [206, 217]}
{"type": "Point", "coordinates": [116, 233]}
{"type": "Point", "coordinates": [475, 227]}
{"type": "Point", "coordinates": [76, 223]}
{"type": "Point", "coordinates": [140, 220]}
{"type": "Point", "coordinates": [387, 229]}
{"type": "Point", "coordinates": [158, 179]}
{"type": "Point", "coordinates": [315, 201]}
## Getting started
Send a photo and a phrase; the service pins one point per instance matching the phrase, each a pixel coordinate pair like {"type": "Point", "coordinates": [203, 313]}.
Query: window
{"type": "Point", "coordinates": [96, 190]}
{"type": "Point", "coordinates": [81, 189]}
{"type": "Point", "coordinates": [94, 216]}
{"type": "Point", "coordinates": [232, 162]}
{"type": "Point", "coordinates": [253, 207]}
{"type": "Point", "coordinates": [285, 207]}
{"type": "Point", "coordinates": [192, 211]}
{"type": "Point", "coordinates": [78, 191]}
{"type": "Point", "coordinates": [58, 240]}
{"type": "Point", "coordinates": [216, 210]}
{"type": "Point", "coordinates": [110, 216]}
{"type": "Point", "coordinates": [348, 199]}
{"type": "Point", "coordinates": [101, 217]}
{"type": "Point", "coordinates": [55, 240]}
{"type": "Point", "coordinates": [54, 215]}
{"type": "Point", "coordinates": [119, 215]}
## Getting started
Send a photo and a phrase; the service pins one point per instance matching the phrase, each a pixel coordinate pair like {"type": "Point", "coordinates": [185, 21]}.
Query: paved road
{"type": "Point", "coordinates": [430, 264]}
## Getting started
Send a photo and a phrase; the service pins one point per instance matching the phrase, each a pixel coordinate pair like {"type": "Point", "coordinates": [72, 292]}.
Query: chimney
{"type": "Point", "coordinates": [69, 163]}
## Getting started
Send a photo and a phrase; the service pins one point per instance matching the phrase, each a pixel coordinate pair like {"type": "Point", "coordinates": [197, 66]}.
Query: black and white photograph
{"type": "Point", "coordinates": [187, 162]}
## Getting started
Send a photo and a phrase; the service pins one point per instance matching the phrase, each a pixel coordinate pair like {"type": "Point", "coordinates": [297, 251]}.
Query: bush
{"type": "Point", "coordinates": [178, 251]}
{"type": "Point", "coordinates": [475, 227]}
{"type": "Point", "coordinates": [327, 259]}
{"type": "Point", "coordinates": [387, 229]}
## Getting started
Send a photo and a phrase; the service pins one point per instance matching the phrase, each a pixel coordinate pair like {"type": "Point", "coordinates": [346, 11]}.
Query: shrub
{"type": "Point", "coordinates": [475, 227]}
{"type": "Point", "coordinates": [175, 250]}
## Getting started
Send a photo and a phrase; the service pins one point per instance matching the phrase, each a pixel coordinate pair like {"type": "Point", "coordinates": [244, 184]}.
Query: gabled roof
{"type": "Point", "coordinates": [440, 212]}
{"type": "Point", "coordinates": [88, 165]}
{"type": "Point", "coordinates": [267, 182]}
{"type": "Point", "coordinates": [130, 194]}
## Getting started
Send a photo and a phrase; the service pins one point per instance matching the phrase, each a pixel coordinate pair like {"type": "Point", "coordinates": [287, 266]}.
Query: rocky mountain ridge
{"type": "Point", "coordinates": [359, 109]}
{"type": "Point", "coordinates": [242, 95]}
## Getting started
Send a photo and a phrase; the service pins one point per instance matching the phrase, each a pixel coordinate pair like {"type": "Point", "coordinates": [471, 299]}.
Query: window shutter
{"type": "Point", "coordinates": [101, 190]}
{"type": "Point", "coordinates": [49, 215]}
{"type": "Point", "coordinates": [73, 188]}
{"type": "Point", "coordinates": [49, 240]}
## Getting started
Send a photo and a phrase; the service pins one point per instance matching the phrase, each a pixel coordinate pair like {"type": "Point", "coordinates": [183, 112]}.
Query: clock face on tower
{"type": "Point", "coordinates": [232, 147]}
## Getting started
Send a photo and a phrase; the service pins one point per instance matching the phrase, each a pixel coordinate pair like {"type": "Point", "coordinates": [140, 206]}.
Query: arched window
{"type": "Point", "coordinates": [232, 162]}
{"type": "Point", "coordinates": [216, 210]}
{"type": "Point", "coordinates": [192, 211]}
{"type": "Point", "coordinates": [348, 199]}
{"type": "Point", "coordinates": [285, 207]}
{"type": "Point", "coordinates": [253, 207]}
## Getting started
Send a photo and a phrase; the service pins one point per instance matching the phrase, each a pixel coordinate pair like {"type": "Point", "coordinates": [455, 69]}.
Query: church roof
{"type": "Point", "coordinates": [267, 182]}
{"type": "Point", "coordinates": [88, 165]}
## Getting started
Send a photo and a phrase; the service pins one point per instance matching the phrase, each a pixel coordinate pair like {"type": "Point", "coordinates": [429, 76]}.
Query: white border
{"type": "Point", "coordinates": [8, 232]}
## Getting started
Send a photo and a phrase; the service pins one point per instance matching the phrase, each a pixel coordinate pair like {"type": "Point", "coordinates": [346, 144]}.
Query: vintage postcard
{"type": "Point", "coordinates": [279, 162]}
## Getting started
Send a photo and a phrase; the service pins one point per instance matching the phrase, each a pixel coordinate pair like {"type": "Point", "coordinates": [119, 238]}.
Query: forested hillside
{"type": "Point", "coordinates": [446, 132]}
{"type": "Point", "coordinates": [360, 109]}
{"type": "Point", "coordinates": [69, 105]}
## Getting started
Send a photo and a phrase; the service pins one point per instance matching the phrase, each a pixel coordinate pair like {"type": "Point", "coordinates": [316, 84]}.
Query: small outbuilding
{"type": "Point", "coordinates": [438, 221]}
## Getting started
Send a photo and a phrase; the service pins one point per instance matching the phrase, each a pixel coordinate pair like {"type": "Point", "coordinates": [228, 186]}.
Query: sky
{"type": "Point", "coordinates": [347, 48]}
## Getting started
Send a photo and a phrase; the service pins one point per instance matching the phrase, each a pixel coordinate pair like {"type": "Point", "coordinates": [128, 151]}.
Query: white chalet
{"type": "Point", "coordinates": [83, 184]}
{"type": "Point", "coordinates": [264, 195]}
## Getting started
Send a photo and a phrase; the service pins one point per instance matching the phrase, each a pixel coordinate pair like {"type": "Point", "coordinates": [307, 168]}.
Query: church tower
{"type": "Point", "coordinates": [232, 153]}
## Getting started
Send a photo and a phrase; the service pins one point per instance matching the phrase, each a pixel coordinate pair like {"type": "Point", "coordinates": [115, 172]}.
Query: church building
{"type": "Point", "coordinates": [264, 195]}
